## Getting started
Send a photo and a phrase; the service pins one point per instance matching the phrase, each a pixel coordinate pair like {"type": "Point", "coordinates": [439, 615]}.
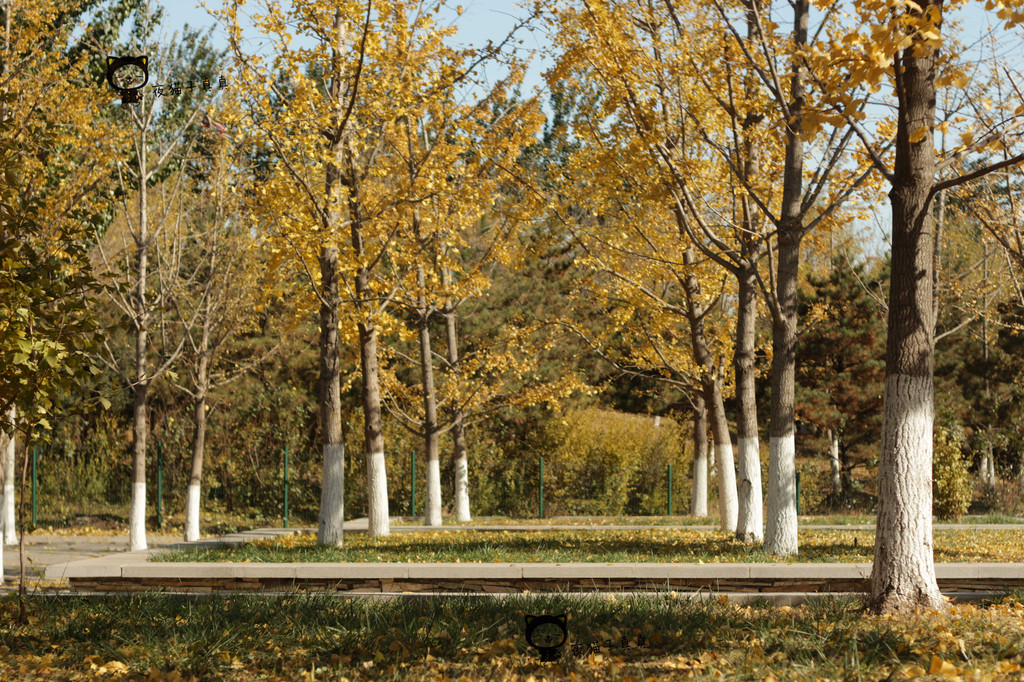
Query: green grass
{"type": "Point", "coordinates": [640, 545]}
{"type": "Point", "coordinates": [330, 638]}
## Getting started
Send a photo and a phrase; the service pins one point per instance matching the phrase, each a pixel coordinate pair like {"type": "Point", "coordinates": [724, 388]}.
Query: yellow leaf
{"type": "Point", "coordinates": [918, 135]}
{"type": "Point", "coordinates": [942, 667]}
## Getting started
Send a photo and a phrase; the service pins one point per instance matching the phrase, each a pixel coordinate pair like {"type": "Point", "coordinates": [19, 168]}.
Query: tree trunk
{"type": "Point", "coordinates": [781, 530]}
{"type": "Point", "coordinates": [988, 468]}
{"type": "Point", "coordinates": [198, 442]}
{"type": "Point", "coordinates": [903, 576]}
{"type": "Point", "coordinates": [728, 506]}
{"type": "Point", "coordinates": [432, 506]}
{"type": "Point", "coordinates": [458, 430]}
{"type": "Point", "coordinates": [833, 458]}
{"type": "Point", "coordinates": [699, 501]}
{"type": "Point", "coordinates": [711, 384]}
{"type": "Point", "coordinates": [376, 475]}
{"type": "Point", "coordinates": [330, 530]}
{"type": "Point", "coordinates": [750, 520]}
{"type": "Point", "coordinates": [140, 425]}
{"type": "Point", "coordinates": [8, 523]}
{"type": "Point", "coordinates": [331, 522]}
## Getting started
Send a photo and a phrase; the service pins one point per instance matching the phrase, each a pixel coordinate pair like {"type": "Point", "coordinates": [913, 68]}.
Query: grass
{"type": "Point", "coordinates": [849, 519]}
{"type": "Point", "coordinates": [330, 638]}
{"type": "Point", "coordinates": [643, 545]}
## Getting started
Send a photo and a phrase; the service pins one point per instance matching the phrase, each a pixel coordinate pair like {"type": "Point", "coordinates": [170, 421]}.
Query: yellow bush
{"type": "Point", "coordinates": [951, 480]}
{"type": "Point", "coordinates": [607, 462]}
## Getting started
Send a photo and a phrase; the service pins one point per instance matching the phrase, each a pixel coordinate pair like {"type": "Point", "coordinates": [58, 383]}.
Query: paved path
{"type": "Point", "coordinates": [47, 550]}
{"type": "Point", "coordinates": [44, 550]}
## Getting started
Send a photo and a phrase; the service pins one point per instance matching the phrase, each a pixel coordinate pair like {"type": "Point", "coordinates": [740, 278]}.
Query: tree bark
{"type": "Point", "coordinates": [9, 522]}
{"type": "Point", "coordinates": [781, 528]}
{"type": "Point", "coordinates": [432, 506]}
{"type": "Point", "coordinates": [195, 480]}
{"type": "Point", "coordinates": [331, 522]}
{"type": "Point", "coordinates": [903, 575]}
{"type": "Point", "coordinates": [833, 458]}
{"type": "Point", "coordinates": [458, 430]}
{"type": "Point", "coordinates": [376, 475]}
{"type": "Point", "coordinates": [140, 423]}
{"type": "Point", "coordinates": [330, 530]}
{"type": "Point", "coordinates": [711, 384]}
{"type": "Point", "coordinates": [750, 519]}
{"type": "Point", "coordinates": [699, 500]}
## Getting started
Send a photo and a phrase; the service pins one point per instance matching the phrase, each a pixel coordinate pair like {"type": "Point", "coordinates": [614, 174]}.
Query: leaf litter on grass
{"type": "Point", "coordinates": [603, 546]}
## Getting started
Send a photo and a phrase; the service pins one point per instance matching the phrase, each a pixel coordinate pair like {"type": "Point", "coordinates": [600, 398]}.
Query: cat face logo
{"type": "Point", "coordinates": [134, 74]}
{"type": "Point", "coordinates": [547, 634]}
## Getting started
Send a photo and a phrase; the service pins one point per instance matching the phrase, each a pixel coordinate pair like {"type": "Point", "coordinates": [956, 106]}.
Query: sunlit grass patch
{"type": "Point", "coordinates": [603, 546]}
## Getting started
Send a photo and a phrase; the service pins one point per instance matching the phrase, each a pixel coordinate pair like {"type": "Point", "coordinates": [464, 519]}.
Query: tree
{"type": "Point", "coordinates": [217, 296]}
{"type": "Point", "coordinates": [339, 131]}
{"type": "Point", "coordinates": [53, 152]}
{"type": "Point", "coordinates": [903, 574]}
{"type": "Point", "coordinates": [172, 121]}
{"type": "Point", "coordinates": [456, 159]}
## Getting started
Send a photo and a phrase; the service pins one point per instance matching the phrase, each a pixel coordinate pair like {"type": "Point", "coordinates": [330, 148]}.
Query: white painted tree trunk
{"type": "Point", "coordinates": [331, 519]}
{"type": "Point", "coordinates": [432, 506]}
{"type": "Point", "coordinates": [903, 572]}
{"type": "Point", "coordinates": [837, 479]}
{"type": "Point", "coordinates": [728, 503]}
{"type": "Point", "coordinates": [192, 513]}
{"type": "Point", "coordinates": [137, 518]}
{"type": "Point", "coordinates": [462, 488]}
{"type": "Point", "coordinates": [7, 522]}
{"type": "Point", "coordinates": [699, 499]}
{"type": "Point", "coordinates": [904, 569]}
{"type": "Point", "coordinates": [781, 538]}
{"type": "Point", "coordinates": [750, 516]}
{"type": "Point", "coordinates": [332, 496]}
{"type": "Point", "coordinates": [458, 429]}
{"type": "Point", "coordinates": [377, 495]}
{"type": "Point", "coordinates": [749, 490]}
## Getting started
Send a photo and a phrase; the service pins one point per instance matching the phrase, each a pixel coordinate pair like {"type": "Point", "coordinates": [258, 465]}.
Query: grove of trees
{"type": "Point", "coordinates": [368, 240]}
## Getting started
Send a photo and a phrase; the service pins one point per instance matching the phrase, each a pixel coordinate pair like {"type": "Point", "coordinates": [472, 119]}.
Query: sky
{"type": "Point", "coordinates": [483, 20]}
{"type": "Point", "coordinates": [480, 21]}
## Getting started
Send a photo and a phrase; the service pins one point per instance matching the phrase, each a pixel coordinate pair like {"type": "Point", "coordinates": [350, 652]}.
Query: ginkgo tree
{"type": "Point", "coordinates": [456, 158]}
{"type": "Point", "coordinates": [329, 202]}
{"type": "Point", "coordinates": [900, 45]}
{"type": "Point", "coordinates": [55, 152]}
{"type": "Point", "coordinates": [646, 273]}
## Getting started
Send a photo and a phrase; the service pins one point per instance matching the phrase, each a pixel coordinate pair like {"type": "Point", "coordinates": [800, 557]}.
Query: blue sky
{"type": "Point", "coordinates": [481, 20]}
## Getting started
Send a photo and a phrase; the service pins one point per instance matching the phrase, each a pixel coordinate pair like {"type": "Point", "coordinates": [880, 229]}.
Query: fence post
{"type": "Point", "coordinates": [670, 490]}
{"type": "Point", "coordinates": [798, 493]}
{"type": "Point", "coordinates": [285, 486]}
{"type": "Point", "coordinates": [35, 468]}
{"type": "Point", "coordinates": [541, 489]}
{"type": "Point", "coordinates": [159, 484]}
{"type": "Point", "coordinates": [412, 502]}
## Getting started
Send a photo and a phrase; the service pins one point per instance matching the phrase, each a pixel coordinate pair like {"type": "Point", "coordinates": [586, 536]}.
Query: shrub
{"type": "Point", "coordinates": [606, 462]}
{"type": "Point", "coordinates": [951, 480]}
